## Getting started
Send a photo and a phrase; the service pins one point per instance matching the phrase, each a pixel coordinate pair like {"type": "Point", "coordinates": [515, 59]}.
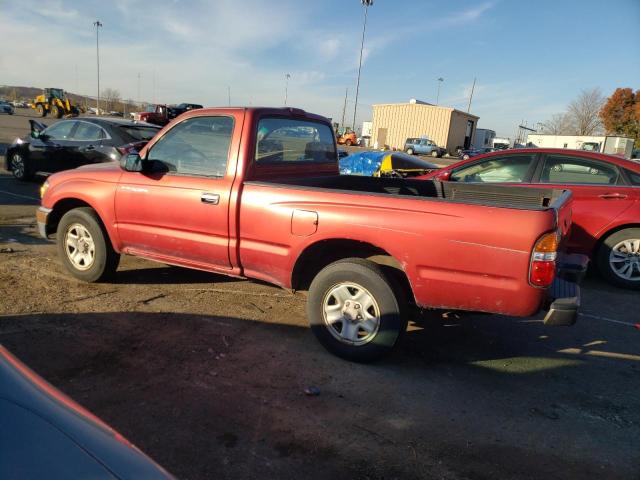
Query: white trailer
{"type": "Point", "coordinates": [610, 144]}
{"type": "Point", "coordinates": [500, 143]}
{"type": "Point", "coordinates": [482, 137]}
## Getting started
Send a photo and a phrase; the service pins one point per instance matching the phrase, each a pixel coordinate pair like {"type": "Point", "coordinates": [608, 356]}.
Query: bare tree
{"type": "Point", "coordinates": [111, 97]}
{"type": "Point", "coordinates": [583, 112]}
{"type": "Point", "coordinates": [558, 124]}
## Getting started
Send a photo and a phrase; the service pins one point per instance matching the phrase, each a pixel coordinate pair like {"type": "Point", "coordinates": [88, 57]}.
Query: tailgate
{"type": "Point", "coordinates": [562, 206]}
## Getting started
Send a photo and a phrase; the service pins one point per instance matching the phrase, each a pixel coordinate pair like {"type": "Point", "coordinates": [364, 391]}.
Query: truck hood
{"type": "Point", "coordinates": [104, 172]}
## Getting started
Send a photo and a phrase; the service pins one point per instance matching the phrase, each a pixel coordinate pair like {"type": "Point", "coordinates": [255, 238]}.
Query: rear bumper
{"type": "Point", "coordinates": [564, 295]}
{"type": "Point", "coordinates": [42, 215]}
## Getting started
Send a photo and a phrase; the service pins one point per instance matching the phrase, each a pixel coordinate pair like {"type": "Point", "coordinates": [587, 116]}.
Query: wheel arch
{"type": "Point", "coordinates": [318, 255]}
{"type": "Point", "coordinates": [67, 204]}
{"type": "Point", "coordinates": [609, 232]}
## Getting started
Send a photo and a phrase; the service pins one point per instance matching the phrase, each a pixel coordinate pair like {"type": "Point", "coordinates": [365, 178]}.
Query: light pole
{"type": "Point", "coordinates": [440, 80]}
{"type": "Point", "coordinates": [366, 4]}
{"type": "Point", "coordinates": [286, 87]}
{"type": "Point", "coordinates": [97, 24]}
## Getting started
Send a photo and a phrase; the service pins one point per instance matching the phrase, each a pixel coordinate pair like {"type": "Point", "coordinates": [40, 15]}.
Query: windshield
{"type": "Point", "coordinates": [290, 140]}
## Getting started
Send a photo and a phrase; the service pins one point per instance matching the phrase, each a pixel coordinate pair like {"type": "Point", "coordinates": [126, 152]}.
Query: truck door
{"type": "Point", "coordinates": [177, 209]}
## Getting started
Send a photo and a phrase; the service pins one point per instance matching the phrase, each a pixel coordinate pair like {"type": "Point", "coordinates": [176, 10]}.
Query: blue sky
{"type": "Point", "coordinates": [530, 58]}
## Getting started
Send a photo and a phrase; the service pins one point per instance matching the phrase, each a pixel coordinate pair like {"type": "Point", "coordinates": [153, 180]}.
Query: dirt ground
{"type": "Point", "coordinates": [207, 375]}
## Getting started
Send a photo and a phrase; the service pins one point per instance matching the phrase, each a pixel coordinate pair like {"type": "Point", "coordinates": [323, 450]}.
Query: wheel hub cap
{"type": "Point", "coordinates": [625, 259]}
{"type": "Point", "coordinates": [79, 247]}
{"type": "Point", "coordinates": [351, 313]}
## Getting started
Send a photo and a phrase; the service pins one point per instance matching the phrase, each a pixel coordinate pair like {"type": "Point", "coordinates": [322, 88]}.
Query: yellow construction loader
{"type": "Point", "coordinates": [55, 102]}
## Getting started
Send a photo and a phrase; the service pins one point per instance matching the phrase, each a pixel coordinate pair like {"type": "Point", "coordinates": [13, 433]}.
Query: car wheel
{"type": "Point", "coordinates": [348, 143]}
{"type": "Point", "coordinates": [56, 112]}
{"type": "Point", "coordinates": [410, 151]}
{"type": "Point", "coordinates": [84, 246]}
{"type": "Point", "coordinates": [434, 153]}
{"type": "Point", "coordinates": [618, 258]}
{"type": "Point", "coordinates": [594, 171]}
{"type": "Point", "coordinates": [19, 166]}
{"type": "Point", "coordinates": [557, 168]}
{"type": "Point", "coordinates": [41, 110]}
{"type": "Point", "coordinates": [465, 157]}
{"type": "Point", "coordinates": [355, 310]}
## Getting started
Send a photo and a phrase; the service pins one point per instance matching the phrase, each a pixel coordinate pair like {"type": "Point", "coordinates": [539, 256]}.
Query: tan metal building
{"type": "Point", "coordinates": [393, 123]}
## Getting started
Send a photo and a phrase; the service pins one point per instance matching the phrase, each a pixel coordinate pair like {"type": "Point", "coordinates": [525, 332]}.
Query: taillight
{"type": "Point", "coordinates": [543, 260]}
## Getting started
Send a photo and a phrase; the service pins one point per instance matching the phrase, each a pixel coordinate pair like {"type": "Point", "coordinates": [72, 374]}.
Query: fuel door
{"type": "Point", "coordinates": [304, 223]}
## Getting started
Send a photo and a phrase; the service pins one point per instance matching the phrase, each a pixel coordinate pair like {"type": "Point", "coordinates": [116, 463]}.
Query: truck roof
{"type": "Point", "coordinates": [282, 111]}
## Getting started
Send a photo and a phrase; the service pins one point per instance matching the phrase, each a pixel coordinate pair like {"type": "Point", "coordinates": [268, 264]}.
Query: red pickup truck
{"type": "Point", "coordinates": [256, 193]}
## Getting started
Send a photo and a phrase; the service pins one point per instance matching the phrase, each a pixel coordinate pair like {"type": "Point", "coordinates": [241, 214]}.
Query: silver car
{"type": "Point", "coordinates": [6, 107]}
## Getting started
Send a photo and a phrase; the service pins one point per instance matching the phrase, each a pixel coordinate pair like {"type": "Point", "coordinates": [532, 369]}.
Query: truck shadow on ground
{"type": "Point", "coordinates": [168, 380]}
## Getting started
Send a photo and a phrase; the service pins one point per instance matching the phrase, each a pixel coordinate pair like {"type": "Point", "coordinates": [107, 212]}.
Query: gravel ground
{"type": "Point", "coordinates": [207, 375]}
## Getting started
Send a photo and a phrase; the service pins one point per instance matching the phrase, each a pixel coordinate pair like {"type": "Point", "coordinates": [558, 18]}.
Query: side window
{"type": "Point", "coordinates": [60, 130]}
{"type": "Point", "coordinates": [197, 146]}
{"type": "Point", "coordinates": [504, 169]}
{"type": "Point", "coordinates": [634, 177]}
{"type": "Point", "coordinates": [88, 131]}
{"type": "Point", "coordinates": [577, 170]}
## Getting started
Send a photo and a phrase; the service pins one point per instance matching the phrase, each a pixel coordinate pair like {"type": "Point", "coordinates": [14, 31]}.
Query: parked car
{"type": "Point", "coordinates": [74, 142]}
{"type": "Point", "coordinates": [606, 199]}
{"type": "Point", "coordinates": [45, 434]}
{"type": "Point", "coordinates": [385, 164]}
{"type": "Point", "coordinates": [257, 193]}
{"type": "Point", "coordinates": [156, 114]}
{"type": "Point", "coordinates": [175, 110]}
{"type": "Point", "coordinates": [423, 146]}
{"type": "Point", "coordinates": [474, 152]}
{"type": "Point", "coordinates": [348, 139]}
{"type": "Point", "coordinates": [6, 107]}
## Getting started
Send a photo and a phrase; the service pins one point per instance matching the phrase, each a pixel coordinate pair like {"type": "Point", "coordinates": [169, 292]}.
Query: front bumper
{"type": "Point", "coordinates": [564, 295]}
{"type": "Point", "coordinates": [42, 215]}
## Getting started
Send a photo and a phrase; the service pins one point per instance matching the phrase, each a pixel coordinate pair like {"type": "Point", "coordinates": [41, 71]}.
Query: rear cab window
{"type": "Point", "coordinates": [284, 140]}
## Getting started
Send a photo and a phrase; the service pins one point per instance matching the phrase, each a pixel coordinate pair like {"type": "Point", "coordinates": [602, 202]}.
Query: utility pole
{"type": "Point", "coordinates": [440, 80]}
{"type": "Point", "coordinates": [154, 86]}
{"type": "Point", "coordinates": [229, 94]}
{"type": "Point", "coordinates": [139, 101]}
{"type": "Point", "coordinates": [471, 96]}
{"type": "Point", "coordinates": [286, 87]}
{"type": "Point", "coordinates": [366, 4]}
{"type": "Point", "coordinates": [97, 24]}
{"type": "Point", "coordinates": [344, 108]}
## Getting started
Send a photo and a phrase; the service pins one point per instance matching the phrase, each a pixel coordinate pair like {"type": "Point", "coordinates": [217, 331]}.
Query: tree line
{"type": "Point", "coordinates": [593, 114]}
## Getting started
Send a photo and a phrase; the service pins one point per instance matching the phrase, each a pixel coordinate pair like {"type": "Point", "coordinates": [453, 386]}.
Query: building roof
{"type": "Point", "coordinates": [425, 104]}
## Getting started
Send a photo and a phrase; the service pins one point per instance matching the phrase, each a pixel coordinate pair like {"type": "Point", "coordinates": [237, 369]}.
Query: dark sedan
{"type": "Point", "coordinates": [78, 141]}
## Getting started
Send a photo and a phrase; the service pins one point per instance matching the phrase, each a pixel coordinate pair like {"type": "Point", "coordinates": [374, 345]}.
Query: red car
{"type": "Point", "coordinates": [257, 193]}
{"type": "Point", "coordinates": [606, 199]}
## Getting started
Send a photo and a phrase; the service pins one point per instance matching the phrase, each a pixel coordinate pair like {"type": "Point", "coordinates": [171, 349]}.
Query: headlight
{"type": "Point", "coordinates": [44, 188]}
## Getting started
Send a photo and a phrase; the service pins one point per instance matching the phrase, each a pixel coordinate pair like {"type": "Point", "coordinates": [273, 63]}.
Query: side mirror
{"type": "Point", "coordinates": [131, 163]}
{"type": "Point", "coordinates": [35, 134]}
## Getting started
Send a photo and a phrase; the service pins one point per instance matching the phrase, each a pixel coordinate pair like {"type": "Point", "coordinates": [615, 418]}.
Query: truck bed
{"type": "Point", "coordinates": [477, 194]}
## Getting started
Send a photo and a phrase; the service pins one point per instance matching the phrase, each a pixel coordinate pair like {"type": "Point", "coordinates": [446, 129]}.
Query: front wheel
{"type": "Point", "coordinates": [618, 258]}
{"type": "Point", "coordinates": [41, 110]}
{"type": "Point", "coordinates": [434, 153]}
{"type": "Point", "coordinates": [84, 246]}
{"type": "Point", "coordinates": [409, 151]}
{"type": "Point", "coordinates": [348, 143]}
{"type": "Point", "coordinates": [355, 311]}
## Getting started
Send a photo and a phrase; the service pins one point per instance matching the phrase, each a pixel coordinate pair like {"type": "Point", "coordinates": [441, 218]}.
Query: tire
{"type": "Point", "coordinates": [56, 112]}
{"type": "Point", "coordinates": [557, 167]}
{"type": "Point", "coordinates": [91, 264]}
{"type": "Point", "coordinates": [41, 110]}
{"type": "Point", "coordinates": [343, 285]}
{"type": "Point", "coordinates": [348, 143]}
{"type": "Point", "coordinates": [20, 166]}
{"type": "Point", "coordinates": [617, 263]}
{"type": "Point", "coordinates": [434, 153]}
{"type": "Point", "coordinates": [410, 151]}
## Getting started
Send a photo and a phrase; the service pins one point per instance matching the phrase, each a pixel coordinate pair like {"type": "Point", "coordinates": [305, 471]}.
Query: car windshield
{"type": "Point", "coordinates": [140, 132]}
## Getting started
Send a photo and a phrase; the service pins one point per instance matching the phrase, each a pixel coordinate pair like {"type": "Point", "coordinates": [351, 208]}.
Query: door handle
{"type": "Point", "coordinates": [613, 196]}
{"type": "Point", "coordinates": [210, 198]}
{"type": "Point", "coordinates": [90, 147]}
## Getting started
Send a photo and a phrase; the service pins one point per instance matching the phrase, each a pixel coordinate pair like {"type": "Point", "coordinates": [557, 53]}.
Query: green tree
{"type": "Point", "coordinates": [621, 114]}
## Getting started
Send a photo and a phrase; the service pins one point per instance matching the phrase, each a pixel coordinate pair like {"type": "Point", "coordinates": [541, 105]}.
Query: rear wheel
{"type": "Point", "coordinates": [410, 151]}
{"type": "Point", "coordinates": [618, 258]}
{"type": "Point", "coordinates": [84, 246]}
{"type": "Point", "coordinates": [434, 153]}
{"type": "Point", "coordinates": [41, 110]}
{"type": "Point", "coordinates": [355, 310]}
{"type": "Point", "coordinates": [348, 143]}
{"type": "Point", "coordinates": [20, 166]}
{"type": "Point", "coordinates": [56, 112]}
